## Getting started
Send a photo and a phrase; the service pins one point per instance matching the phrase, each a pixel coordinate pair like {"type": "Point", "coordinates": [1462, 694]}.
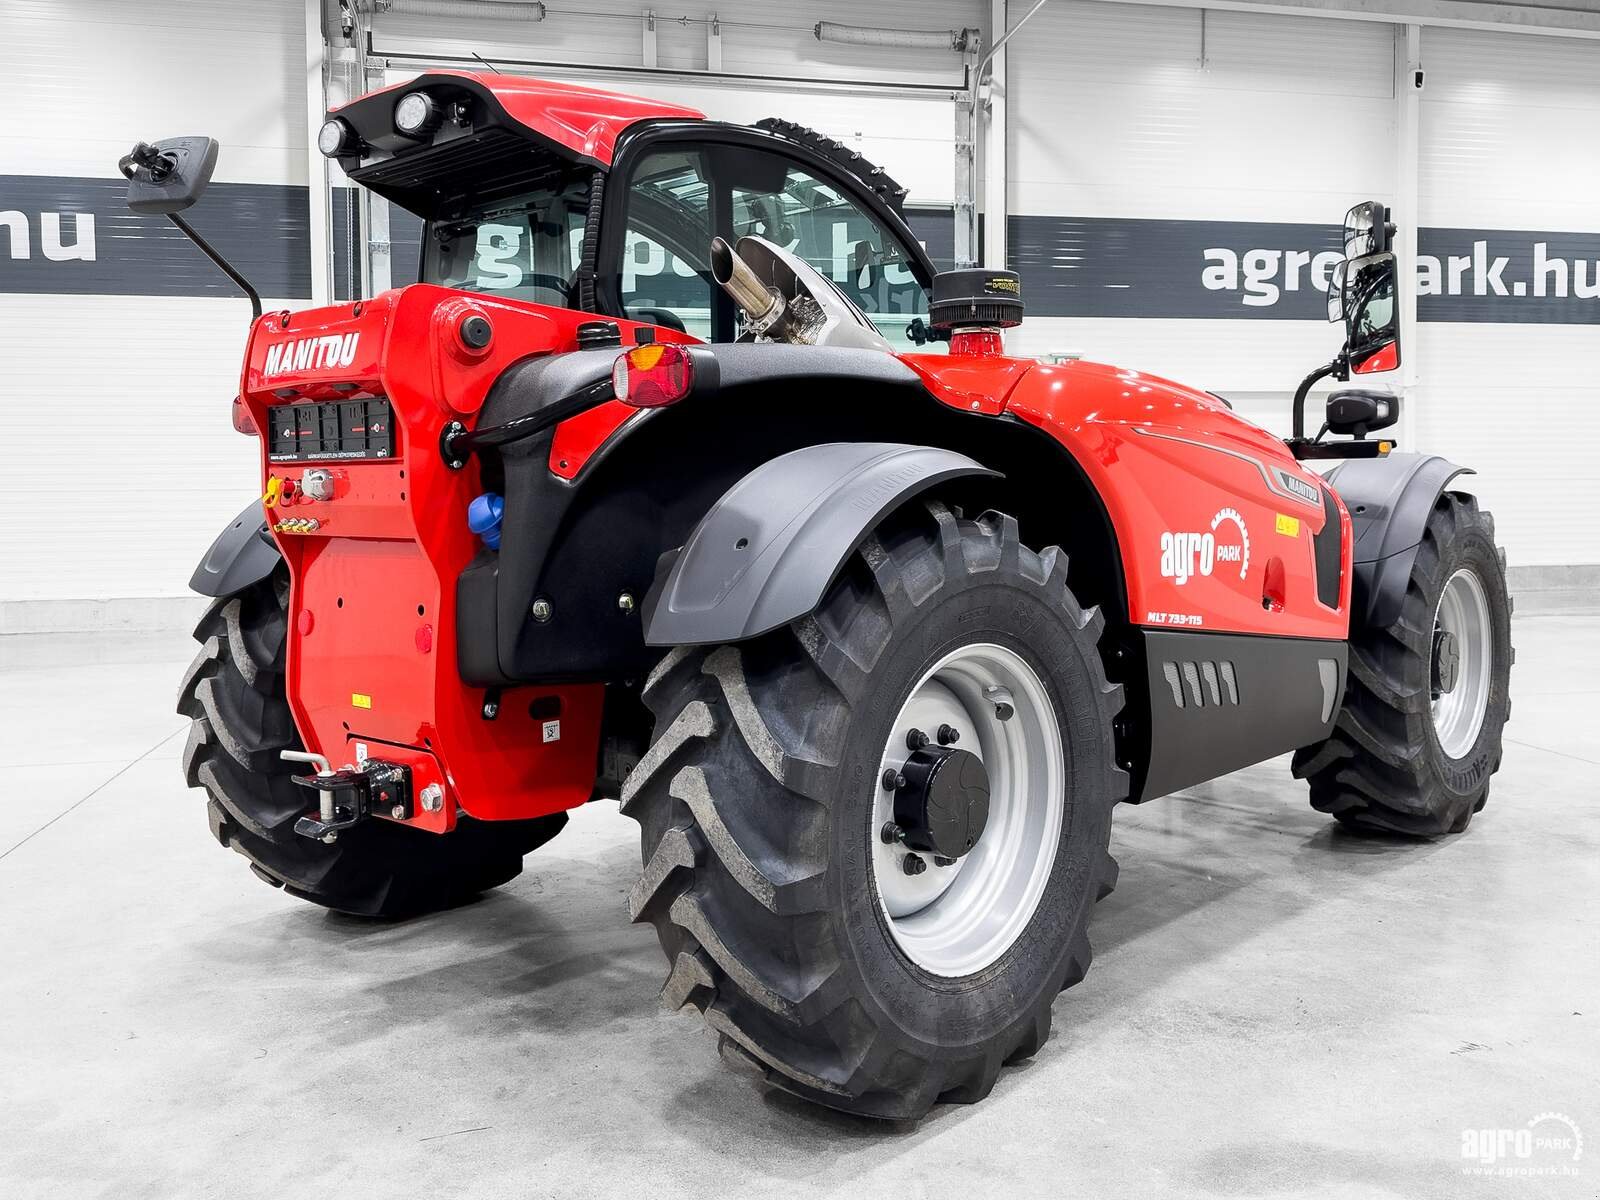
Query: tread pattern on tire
{"type": "Point", "coordinates": [732, 795]}
{"type": "Point", "coordinates": [233, 692]}
{"type": "Point", "coordinates": [1375, 772]}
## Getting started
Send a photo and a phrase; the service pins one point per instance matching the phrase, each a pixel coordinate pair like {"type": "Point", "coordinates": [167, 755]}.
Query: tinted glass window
{"type": "Point", "coordinates": [528, 248]}
{"type": "Point", "coordinates": [784, 203]}
{"type": "Point", "coordinates": [665, 275]}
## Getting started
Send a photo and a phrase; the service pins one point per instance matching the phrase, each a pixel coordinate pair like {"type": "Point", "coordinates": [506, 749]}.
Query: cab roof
{"type": "Point", "coordinates": [586, 122]}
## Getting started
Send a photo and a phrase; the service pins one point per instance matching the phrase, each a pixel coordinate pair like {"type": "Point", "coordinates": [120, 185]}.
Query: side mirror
{"type": "Point", "coordinates": [1367, 230]}
{"type": "Point", "coordinates": [1336, 292]}
{"type": "Point", "coordinates": [169, 176]}
{"type": "Point", "coordinates": [1359, 412]}
{"type": "Point", "coordinates": [1372, 318]}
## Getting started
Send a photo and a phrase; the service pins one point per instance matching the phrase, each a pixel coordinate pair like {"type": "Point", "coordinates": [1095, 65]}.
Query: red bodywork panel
{"type": "Point", "coordinates": [1213, 530]}
{"type": "Point", "coordinates": [1175, 467]}
{"type": "Point", "coordinates": [372, 654]}
{"type": "Point", "coordinates": [584, 121]}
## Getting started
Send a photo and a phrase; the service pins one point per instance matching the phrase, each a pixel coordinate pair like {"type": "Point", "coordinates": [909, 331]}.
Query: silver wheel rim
{"type": "Point", "coordinates": [956, 920]}
{"type": "Point", "coordinates": [1463, 613]}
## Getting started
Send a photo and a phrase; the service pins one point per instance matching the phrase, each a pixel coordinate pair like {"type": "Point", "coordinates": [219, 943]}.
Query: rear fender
{"type": "Point", "coordinates": [767, 551]}
{"type": "Point", "coordinates": [243, 554]}
{"type": "Point", "coordinates": [1389, 500]}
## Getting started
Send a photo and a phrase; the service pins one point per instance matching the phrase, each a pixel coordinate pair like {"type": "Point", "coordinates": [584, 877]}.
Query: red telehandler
{"type": "Point", "coordinates": [679, 476]}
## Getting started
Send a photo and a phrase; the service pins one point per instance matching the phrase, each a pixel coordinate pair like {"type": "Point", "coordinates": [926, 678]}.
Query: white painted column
{"type": "Point", "coordinates": [320, 216]}
{"type": "Point", "coordinates": [996, 197]}
{"type": "Point", "coordinates": [1407, 216]}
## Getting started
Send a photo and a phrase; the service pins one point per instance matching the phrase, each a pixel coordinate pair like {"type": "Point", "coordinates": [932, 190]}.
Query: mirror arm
{"type": "Point", "coordinates": [222, 264]}
{"type": "Point", "coordinates": [1339, 368]}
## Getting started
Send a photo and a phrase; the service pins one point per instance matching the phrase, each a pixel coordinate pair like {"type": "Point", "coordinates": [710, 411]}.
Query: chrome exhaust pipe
{"type": "Point", "coordinates": [763, 305]}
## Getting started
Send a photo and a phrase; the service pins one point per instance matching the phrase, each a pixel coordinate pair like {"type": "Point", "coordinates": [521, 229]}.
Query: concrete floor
{"type": "Point", "coordinates": [1275, 1009]}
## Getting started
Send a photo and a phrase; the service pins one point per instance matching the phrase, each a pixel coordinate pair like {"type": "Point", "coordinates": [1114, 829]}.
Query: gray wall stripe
{"type": "Point", "coordinates": [74, 236]}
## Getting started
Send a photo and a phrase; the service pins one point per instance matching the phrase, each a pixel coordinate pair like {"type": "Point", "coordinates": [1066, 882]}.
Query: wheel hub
{"type": "Point", "coordinates": [964, 840]}
{"type": "Point", "coordinates": [1446, 662]}
{"type": "Point", "coordinates": [1461, 673]}
{"type": "Point", "coordinates": [944, 805]}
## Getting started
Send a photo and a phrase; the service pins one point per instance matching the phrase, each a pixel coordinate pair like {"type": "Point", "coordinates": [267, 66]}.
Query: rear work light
{"type": "Point", "coordinates": [337, 138]}
{"type": "Point", "coordinates": [653, 375]}
{"type": "Point", "coordinates": [417, 115]}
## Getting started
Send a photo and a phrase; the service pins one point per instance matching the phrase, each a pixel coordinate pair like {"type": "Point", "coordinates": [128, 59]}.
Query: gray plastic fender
{"type": "Point", "coordinates": [1389, 500]}
{"type": "Point", "coordinates": [243, 554]}
{"type": "Point", "coordinates": [767, 551]}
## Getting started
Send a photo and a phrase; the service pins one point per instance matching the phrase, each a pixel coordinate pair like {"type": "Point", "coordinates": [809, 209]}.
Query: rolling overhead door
{"type": "Point", "coordinates": [894, 105]}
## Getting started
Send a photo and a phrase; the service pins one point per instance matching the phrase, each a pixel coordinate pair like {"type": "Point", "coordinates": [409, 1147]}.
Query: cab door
{"type": "Point", "coordinates": [671, 192]}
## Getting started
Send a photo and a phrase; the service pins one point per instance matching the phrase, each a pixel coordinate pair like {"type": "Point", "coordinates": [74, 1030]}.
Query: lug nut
{"type": "Point", "coordinates": [398, 812]}
{"type": "Point", "coordinates": [916, 740]}
{"type": "Point", "coordinates": [948, 735]}
{"type": "Point", "coordinates": [541, 610]}
{"type": "Point", "coordinates": [625, 602]}
{"type": "Point", "coordinates": [939, 860]}
{"type": "Point", "coordinates": [432, 798]}
{"type": "Point", "coordinates": [914, 864]}
{"type": "Point", "coordinates": [891, 833]}
{"type": "Point", "coordinates": [892, 780]}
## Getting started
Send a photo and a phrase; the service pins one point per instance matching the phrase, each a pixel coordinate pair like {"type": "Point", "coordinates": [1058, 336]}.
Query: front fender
{"type": "Point", "coordinates": [1389, 500]}
{"type": "Point", "coordinates": [242, 554]}
{"type": "Point", "coordinates": [767, 551]}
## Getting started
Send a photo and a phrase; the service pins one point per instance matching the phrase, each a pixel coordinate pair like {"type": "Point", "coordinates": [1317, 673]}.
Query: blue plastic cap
{"type": "Point", "coordinates": [484, 515]}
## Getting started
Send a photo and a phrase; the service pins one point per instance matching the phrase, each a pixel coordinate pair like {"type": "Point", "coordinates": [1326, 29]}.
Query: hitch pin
{"type": "Point", "coordinates": [324, 795]}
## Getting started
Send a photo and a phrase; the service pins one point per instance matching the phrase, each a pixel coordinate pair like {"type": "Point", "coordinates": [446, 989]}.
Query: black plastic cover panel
{"type": "Point", "coordinates": [333, 429]}
{"type": "Point", "coordinates": [1219, 702]}
{"type": "Point", "coordinates": [766, 552]}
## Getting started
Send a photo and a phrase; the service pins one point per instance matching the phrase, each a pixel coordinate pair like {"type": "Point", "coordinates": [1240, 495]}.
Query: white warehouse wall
{"type": "Point", "coordinates": [1510, 141]}
{"type": "Point", "coordinates": [1140, 138]}
{"type": "Point", "coordinates": [1167, 132]}
{"type": "Point", "coordinates": [118, 461]}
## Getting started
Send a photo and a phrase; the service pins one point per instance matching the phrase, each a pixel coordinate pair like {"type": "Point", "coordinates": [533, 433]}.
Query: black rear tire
{"type": "Point", "coordinates": [234, 694]}
{"type": "Point", "coordinates": [755, 802]}
{"type": "Point", "coordinates": [1383, 770]}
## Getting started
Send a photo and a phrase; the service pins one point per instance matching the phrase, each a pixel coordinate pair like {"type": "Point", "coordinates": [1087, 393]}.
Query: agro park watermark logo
{"type": "Point", "coordinates": [1549, 1145]}
{"type": "Point", "coordinates": [1185, 555]}
{"type": "Point", "coordinates": [19, 242]}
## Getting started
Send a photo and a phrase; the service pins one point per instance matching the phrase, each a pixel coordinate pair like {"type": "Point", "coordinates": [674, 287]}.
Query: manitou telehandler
{"type": "Point", "coordinates": [680, 477]}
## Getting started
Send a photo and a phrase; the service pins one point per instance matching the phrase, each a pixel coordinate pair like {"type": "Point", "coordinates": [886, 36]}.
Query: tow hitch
{"type": "Point", "coordinates": [350, 795]}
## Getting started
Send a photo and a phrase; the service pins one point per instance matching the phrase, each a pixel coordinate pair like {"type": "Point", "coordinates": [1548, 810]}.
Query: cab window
{"type": "Point", "coordinates": [664, 276]}
{"type": "Point", "coordinates": [814, 219]}
{"type": "Point", "coordinates": [526, 247]}
{"type": "Point", "coordinates": [678, 198]}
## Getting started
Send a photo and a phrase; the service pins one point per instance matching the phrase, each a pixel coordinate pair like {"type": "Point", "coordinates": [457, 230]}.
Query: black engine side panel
{"type": "Point", "coordinates": [1219, 702]}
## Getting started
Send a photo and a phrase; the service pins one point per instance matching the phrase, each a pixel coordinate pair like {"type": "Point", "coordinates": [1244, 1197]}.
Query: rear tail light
{"type": "Point", "coordinates": [653, 375]}
{"type": "Point", "coordinates": [242, 420]}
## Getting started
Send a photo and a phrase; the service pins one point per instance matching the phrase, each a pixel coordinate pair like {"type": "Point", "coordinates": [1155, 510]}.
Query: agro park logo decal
{"type": "Point", "coordinates": [311, 354]}
{"type": "Point", "coordinates": [1185, 555]}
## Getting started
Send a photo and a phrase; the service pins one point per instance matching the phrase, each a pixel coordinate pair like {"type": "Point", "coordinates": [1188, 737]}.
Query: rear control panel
{"type": "Point", "coordinates": [332, 429]}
